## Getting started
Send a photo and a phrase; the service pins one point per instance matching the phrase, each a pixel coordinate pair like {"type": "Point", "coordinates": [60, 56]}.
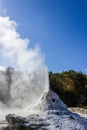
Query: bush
{"type": "Point", "coordinates": [71, 86]}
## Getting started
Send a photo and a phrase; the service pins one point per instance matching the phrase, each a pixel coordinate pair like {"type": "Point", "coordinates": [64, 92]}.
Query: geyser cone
{"type": "Point", "coordinates": [50, 101]}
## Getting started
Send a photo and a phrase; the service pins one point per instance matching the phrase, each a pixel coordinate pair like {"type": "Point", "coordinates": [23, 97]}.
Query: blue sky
{"type": "Point", "coordinates": [58, 26]}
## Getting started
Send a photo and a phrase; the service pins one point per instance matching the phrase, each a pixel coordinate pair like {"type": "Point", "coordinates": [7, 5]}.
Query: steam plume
{"type": "Point", "coordinates": [15, 51]}
{"type": "Point", "coordinates": [28, 85]}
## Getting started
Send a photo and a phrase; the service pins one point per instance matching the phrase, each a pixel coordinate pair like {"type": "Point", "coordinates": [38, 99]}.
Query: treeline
{"type": "Point", "coordinates": [71, 86]}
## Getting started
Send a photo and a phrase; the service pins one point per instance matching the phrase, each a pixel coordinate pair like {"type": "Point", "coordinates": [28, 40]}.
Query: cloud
{"type": "Point", "coordinates": [15, 51]}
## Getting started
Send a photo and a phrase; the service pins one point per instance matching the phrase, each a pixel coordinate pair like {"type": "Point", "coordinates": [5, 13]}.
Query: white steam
{"type": "Point", "coordinates": [30, 79]}
{"type": "Point", "coordinates": [2, 68]}
{"type": "Point", "coordinates": [15, 50]}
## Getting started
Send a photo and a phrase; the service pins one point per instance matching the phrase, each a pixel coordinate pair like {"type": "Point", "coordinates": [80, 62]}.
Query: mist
{"type": "Point", "coordinates": [29, 77]}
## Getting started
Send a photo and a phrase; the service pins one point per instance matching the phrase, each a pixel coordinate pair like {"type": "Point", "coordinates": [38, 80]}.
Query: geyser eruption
{"type": "Point", "coordinates": [23, 86]}
{"type": "Point", "coordinates": [26, 86]}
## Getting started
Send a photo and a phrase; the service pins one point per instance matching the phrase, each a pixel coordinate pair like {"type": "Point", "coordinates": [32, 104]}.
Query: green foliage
{"type": "Point", "coordinates": [71, 86]}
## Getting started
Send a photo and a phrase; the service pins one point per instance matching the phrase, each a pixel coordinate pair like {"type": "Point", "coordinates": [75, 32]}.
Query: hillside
{"type": "Point", "coordinates": [71, 86]}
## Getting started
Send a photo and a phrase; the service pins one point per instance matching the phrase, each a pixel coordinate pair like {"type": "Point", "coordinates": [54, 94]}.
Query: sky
{"type": "Point", "coordinates": [59, 27]}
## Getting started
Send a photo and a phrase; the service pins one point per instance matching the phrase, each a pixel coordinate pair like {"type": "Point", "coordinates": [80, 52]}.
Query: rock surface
{"type": "Point", "coordinates": [52, 115]}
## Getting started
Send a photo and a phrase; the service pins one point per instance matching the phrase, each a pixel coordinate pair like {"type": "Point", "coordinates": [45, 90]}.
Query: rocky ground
{"type": "Point", "coordinates": [52, 115]}
{"type": "Point", "coordinates": [51, 120]}
{"type": "Point", "coordinates": [78, 110]}
{"type": "Point", "coordinates": [82, 112]}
